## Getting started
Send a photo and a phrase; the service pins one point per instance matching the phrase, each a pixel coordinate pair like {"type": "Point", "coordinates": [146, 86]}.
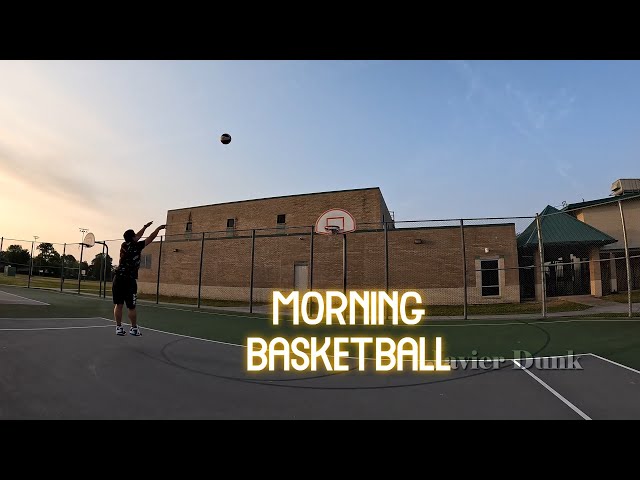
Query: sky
{"type": "Point", "coordinates": [110, 145]}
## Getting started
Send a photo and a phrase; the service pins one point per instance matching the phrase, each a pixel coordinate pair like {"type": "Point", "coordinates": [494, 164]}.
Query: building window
{"type": "Point", "coordinates": [490, 278]}
{"type": "Point", "coordinates": [189, 227]}
{"type": "Point", "coordinates": [231, 223]}
{"type": "Point", "coordinates": [145, 261]}
{"type": "Point", "coordinates": [281, 219]}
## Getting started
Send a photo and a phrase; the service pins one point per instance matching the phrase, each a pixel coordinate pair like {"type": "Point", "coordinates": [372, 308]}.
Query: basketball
{"type": "Point", "coordinates": [225, 138]}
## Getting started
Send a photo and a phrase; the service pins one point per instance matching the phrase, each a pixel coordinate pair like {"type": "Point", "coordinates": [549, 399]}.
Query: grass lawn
{"type": "Point", "coordinates": [87, 286]}
{"type": "Point", "coordinates": [92, 286]}
{"type": "Point", "coordinates": [623, 297]}
{"type": "Point", "coordinates": [505, 308]}
{"type": "Point", "coordinates": [193, 301]}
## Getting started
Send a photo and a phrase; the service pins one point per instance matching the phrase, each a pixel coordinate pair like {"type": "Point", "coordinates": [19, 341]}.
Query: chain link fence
{"type": "Point", "coordinates": [52, 266]}
{"type": "Point", "coordinates": [556, 261]}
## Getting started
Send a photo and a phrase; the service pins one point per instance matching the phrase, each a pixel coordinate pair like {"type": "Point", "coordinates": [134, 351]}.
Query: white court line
{"type": "Point", "coordinates": [564, 400]}
{"type": "Point", "coordinates": [51, 318]}
{"type": "Point", "coordinates": [179, 334]}
{"type": "Point", "coordinates": [148, 303]}
{"type": "Point", "coordinates": [50, 328]}
{"type": "Point", "coordinates": [25, 298]}
{"type": "Point", "coordinates": [469, 323]}
{"type": "Point", "coordinates": [497, 323]}
{"type": "Point", "coordinates": [351, 358]}
{"type": "Point", "coordinates": [550, 356]}
{"type": "Point", "coordinates": [615, 363]}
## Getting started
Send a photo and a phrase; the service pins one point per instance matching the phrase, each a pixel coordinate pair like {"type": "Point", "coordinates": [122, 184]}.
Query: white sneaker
{"type": "Point", "coordinates": [135, 332]}
{"type": "Point", "coordinates": [120, 331]}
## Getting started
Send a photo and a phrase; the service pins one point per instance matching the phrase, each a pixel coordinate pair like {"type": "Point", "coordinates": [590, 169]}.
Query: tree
{"type": "Point", "coordinates": [48, 260]}
{"type": "Point", "coordinates": [97, 264]}
{"type": "Point", "coordinates": [48, 254]}
{"type": "Point", "coordinates": [70, 266]}
{"type": "Point", "coordinates": [69, 260]}
{"type": "Point", "coordinates": [16, 255]}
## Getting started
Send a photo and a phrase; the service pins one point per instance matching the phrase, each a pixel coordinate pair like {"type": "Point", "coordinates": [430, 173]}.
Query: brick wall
{"type": "Point", "coordinates": [366, 205]}
{"type": "Point", "coordinates": [433, 266]}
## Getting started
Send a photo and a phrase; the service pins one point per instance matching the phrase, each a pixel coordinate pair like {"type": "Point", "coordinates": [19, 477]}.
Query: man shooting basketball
{"type": "Point", "coordinates": [125, 285]}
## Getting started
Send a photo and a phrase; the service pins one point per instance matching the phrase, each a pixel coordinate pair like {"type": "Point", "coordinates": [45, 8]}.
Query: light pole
{"type": "Point", "coordinates": [81, 245]}
{"type": "Point", "coordinates": [82, 231]}
{"type": "Point", "coordinates": [35, 239]}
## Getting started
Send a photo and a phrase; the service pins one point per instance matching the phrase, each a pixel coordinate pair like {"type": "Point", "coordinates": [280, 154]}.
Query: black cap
{"type": "Point", "coordinates": [129, 234]}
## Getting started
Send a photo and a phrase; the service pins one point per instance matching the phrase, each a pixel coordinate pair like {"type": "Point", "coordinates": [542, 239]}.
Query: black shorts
{"type": "Point", "coordinates": [124, 290]}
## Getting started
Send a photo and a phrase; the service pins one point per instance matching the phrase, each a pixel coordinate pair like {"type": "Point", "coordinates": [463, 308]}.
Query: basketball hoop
{"type": "Point", "coordinates": [89, 240]}
{"type": "Point", "coordinates": [335, 221]}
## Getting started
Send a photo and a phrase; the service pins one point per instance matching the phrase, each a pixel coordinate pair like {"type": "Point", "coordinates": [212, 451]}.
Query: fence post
{"type": "Point", "coordinates": [200, 272]}
{"type": "Point", "coordinates": [64, 252]}
{"type": "Point", "coordinates": [386, 258]}
{"type": "Point", "coordinates": [464, 268]}
{"type": "Point", "coordinates": [158, 280]}
{"type": "Point", "coordinates": [30, 266]}
{"type": "Point", "coordinates": [102, 272]}
{"type": "Point", "coordinates": [80, 268]}
{"type": "Point", "coordinates": [106, 262]}
{"type": "Point", "coordinates": [542, 278]}
{"type": "Point", "coordinates": [253, 251]}
{"type": "Point", "coordinates": [311, 260]}
{"type": "Point", "coordinates": [344, 263]}
{"type": "Point", "coordinates": [627, 258]}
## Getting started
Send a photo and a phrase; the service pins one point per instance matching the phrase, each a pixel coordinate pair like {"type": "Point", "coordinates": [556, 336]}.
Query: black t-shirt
{"type": "Point", "coordinates": [130, 259]}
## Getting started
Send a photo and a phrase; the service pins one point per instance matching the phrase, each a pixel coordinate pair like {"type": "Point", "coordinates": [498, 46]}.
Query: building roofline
{"type": "Point", "coordinates": [600, 201]}
{"type": "Point", "coordinates": [275, 198]}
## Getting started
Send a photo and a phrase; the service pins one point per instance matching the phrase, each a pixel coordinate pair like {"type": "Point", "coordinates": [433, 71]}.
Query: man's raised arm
{"type": "Point", "coordinates": [153, 235]}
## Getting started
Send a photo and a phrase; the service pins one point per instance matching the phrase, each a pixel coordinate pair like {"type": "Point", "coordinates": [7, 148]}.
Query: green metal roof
{"type": "Point", "coordinates": [591, 203]}
{"type": "Point", "coordinates": [559, 228]}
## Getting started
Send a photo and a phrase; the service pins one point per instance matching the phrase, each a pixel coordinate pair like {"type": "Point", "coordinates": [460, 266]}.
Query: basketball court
{"type": "Point", "coordinates": [57, 361]}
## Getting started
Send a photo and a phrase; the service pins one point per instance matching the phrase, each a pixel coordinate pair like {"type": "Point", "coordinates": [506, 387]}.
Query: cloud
{"type": "Point", "coordinates": [529, 113]}
{"type": "Point", "coordinates": [542, 111]}
{"type": "Point", "coordinates": [39, 172]}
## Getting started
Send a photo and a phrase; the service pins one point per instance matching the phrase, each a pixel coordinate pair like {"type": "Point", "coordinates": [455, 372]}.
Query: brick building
{"type": "Point", "coordinates": [428, 260]}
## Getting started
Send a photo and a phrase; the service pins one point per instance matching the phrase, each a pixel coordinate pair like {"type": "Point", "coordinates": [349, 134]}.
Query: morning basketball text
{"type": "Point", "coordinates": [336, 309]}
{"type": "Point", "coordinates": [381, 354]}
{"type": "Point", "coordinates": [367, 308]}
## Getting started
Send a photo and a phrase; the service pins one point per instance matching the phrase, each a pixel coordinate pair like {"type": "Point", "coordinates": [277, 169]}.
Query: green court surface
{"type": "Point", "coordinates": [616, 338]}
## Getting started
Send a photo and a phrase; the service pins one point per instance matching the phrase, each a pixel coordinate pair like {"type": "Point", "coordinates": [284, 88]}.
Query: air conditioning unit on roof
{"type": "Point", "coordinates": [625, 185]}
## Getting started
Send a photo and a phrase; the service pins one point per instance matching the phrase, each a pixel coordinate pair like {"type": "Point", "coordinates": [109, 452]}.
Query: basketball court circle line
{"type": "Point", "coordinates": [515, 361]}
{"type": "Point", "coordinates": [350, 358]}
